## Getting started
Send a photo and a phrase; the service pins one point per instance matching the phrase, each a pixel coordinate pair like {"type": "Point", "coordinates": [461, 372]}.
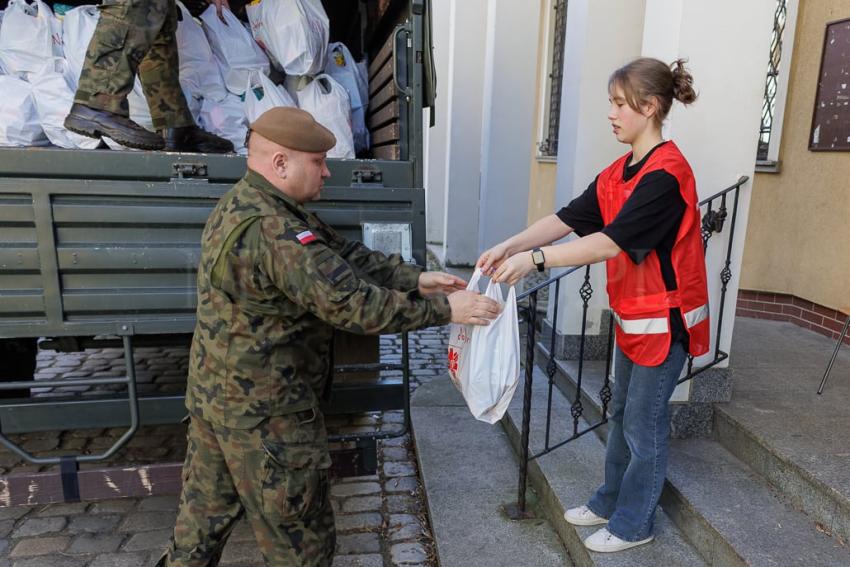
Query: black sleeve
{"type": "Point", "coordinates": [652, 212]}
{"type": "Point", "coordinates": [583, 214]}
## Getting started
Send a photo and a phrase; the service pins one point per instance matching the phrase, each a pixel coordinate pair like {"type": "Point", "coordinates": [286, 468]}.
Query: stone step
{"type": "Point", "coordinates": [728, 512]}
{"type": "Point", "coordinates": [469, 472]}
{"type": "Point", "coordinates": [567, 476]}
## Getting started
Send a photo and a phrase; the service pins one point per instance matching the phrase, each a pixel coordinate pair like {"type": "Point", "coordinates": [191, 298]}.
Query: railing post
{"type": "Point", "coordinates": [518, 511]}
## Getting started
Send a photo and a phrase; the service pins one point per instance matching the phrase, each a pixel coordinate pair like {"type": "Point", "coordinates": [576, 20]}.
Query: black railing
{"type": "Point", "coordinates": [713, 221]}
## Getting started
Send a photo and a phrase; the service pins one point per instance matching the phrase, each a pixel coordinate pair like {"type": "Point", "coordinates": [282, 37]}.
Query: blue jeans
{"type": "Point", "coordinates": [638, 443]}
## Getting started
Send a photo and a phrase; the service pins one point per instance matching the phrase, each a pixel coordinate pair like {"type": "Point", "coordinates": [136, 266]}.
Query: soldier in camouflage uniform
{"type": "Point", "coordinates": [137, 37]}
{"type": "Point", "coordinates": [273, 283]}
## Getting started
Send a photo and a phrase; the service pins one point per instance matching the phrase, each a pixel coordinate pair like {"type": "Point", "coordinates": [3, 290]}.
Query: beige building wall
{"type": "Point", "coordinates": [541, 182]}
{"type": "Point", "coordinates": [798, 239]}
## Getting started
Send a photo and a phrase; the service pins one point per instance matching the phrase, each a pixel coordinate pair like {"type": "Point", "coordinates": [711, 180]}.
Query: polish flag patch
{"type": "Point", "coordinates": [305, 237]}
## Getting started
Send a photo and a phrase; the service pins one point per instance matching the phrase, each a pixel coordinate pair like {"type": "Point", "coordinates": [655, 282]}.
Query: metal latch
{"type": "Point", "coordinates": [186, 171]}
{"type": "Point", "coordinates": [368, 176]}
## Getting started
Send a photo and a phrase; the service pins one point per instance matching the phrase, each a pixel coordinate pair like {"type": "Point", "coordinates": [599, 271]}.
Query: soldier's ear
{"type": "Point", "coordinates": [280, 162]}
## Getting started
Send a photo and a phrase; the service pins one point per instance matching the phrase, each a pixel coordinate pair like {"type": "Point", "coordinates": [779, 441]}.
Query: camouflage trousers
{"type": "Point", "coordinates": [276, 475]}
{"type": "Point", "coordinates": [135, 37]}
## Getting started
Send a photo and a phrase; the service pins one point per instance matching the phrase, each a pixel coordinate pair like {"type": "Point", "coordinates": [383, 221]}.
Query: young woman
{"type": "Point", "coordinates": [640, 215]}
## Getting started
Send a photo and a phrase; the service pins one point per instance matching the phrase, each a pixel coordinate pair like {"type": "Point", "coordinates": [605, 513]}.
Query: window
{"type": "Point", "coordinates": [551, 115]}
{"type": "Point", "coordinates": [776, 85]}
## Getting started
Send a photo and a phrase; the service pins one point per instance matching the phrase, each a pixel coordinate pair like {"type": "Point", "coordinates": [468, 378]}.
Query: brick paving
{"type": "Point", "coordinates": [381, 518]}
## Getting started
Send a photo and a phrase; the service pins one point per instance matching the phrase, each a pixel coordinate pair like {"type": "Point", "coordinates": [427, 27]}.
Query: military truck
{"type": "Point", "coordinates": [99, 248]}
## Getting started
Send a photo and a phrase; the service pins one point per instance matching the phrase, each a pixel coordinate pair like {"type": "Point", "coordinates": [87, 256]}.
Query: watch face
{"type": "Point", "coordinates": [537, 257]}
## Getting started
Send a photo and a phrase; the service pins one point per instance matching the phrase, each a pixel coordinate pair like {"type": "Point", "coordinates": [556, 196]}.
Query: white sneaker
{"type": "Point", "coordinates": [583, 516]}
{"type": "Point", "coordinates": [606, 542]}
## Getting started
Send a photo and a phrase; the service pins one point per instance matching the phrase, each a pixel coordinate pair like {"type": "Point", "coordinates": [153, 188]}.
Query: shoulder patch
{"type": "Point", "coordinates": [305, 237]}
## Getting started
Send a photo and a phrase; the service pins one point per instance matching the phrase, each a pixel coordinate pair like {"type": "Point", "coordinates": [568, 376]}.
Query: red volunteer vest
{"type": "Point", "coordinates": [639, 300]}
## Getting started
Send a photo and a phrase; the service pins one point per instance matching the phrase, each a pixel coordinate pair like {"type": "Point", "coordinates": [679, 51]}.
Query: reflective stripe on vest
{"type": "Point", "coordinates": [650, 326]}
{"type": "Point", "coordinates": [696, 316]}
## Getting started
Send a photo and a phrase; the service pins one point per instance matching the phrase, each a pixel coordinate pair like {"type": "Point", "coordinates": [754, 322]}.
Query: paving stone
{"type": "Point", "coordinates": [116, 506]}
{"type": "Point", "coordinates": [121, 560]}
{"type": "Point", "coordinates": [395, 454]}
{"type": "Point", "coordinates": [362, 504]}
{"type": "Point", "coordinates": [60, 561]}
{"type": "Point", "coordinates": [392, 469]}
{"type": "Point", "coordinates": [407, 484]}
{"type": "Point", "coordinates": [101, 543]}
{"type": "Point", "coordinates": [147, 521]}
{"type": "Point", "coordinates": [39, 526]}
{"type": "Point", "coordinates": [401, 441]}
{"type": "Point", "coordinates": [6, 527]}
{"type": "Point", "coordinates": [159, 503]}
{"type": "Point", "coordinates": [13, 512]}
{"type": "Point", "coordinates": [39, 546]}
{"type": "Point", "coordinates": [402, 519]}
{"type": "Point", "coordinates": [355, 489]}
{"type": "Point", "coordinates": [146, 541]}
{"type": "Point", "coordinates": [41, 445]}
{"type": "Point", "coordinates": [358, 544]}
{"type": "Point", "coordinates": [358, 522]}
{"type": "Point", "coordinates": [371, 560]}
{"type": "Point", "coordinates": [402, 504]}
{"type": "Point", "coordinates": [71, 509]}
{"type": "Point", "coordinates": [406, 532]}
{"type": "Point", "coordinates": [93, 524]}
{"type": "Point", "coordinates": [241, 554]}
{"type": "Point", "coordinates": [364, 478]}
{"type": "Point", "coordinates": [408, 553]}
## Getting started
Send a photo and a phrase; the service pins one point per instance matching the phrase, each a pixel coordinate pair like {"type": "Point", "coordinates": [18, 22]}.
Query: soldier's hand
{"type": "Point", "coordinates": [219, 6]}
{"type": "Point", "coordinates": [472, 308]}
{"type": "Point", "coordinates": [439, 282]}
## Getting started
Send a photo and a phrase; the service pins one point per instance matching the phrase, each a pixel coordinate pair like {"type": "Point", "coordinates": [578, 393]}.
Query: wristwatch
{"type": "Point", "coordinates": [538, 258]}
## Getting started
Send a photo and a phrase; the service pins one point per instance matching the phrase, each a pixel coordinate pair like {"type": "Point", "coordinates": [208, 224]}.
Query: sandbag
{"type": "Point", "coordinates": [294, 33]}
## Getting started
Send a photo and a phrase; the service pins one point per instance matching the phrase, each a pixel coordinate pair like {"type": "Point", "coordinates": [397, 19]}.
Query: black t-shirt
{"type": "Point", "coordinates": [649, 220]}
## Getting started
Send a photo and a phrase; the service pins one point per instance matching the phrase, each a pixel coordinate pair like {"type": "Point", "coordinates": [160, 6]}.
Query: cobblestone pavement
{"type": "Point", "coordinates": [381, 518]}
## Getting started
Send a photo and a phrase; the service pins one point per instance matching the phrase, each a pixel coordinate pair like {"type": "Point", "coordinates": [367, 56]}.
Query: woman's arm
{"type": "Point", "coordinates": [544, 231]}
{"type": "Point", "coordinates": [590, 249]}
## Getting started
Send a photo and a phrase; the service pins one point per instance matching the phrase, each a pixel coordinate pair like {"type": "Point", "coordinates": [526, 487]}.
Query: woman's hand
{"type": "Point", "coordinates": [514, 268]}
{"type": "Point", "coordinates": [439, 282]}
{"type": "Point", "coordinates": [492, 259]}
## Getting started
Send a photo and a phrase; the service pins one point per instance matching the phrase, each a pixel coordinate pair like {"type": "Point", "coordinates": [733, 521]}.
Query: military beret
{"type": "Point", "coordinates": [294, 128]}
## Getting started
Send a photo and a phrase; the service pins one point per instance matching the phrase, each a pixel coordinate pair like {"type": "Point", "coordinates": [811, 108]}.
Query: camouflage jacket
{"type": "Point", "coordinates": [273, 283]}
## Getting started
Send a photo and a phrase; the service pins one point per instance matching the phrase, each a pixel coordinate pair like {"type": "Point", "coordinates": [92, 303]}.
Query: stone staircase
{"type": "Point", "coordinates": [770, 487]}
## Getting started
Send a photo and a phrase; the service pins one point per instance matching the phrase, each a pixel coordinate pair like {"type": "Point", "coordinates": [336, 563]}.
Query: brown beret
{"type": "Point", "coordinates": [294, 128]}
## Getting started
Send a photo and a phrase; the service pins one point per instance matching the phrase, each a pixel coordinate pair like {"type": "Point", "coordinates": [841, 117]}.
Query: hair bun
{"type": "Point", "coordinates": [683, 82]}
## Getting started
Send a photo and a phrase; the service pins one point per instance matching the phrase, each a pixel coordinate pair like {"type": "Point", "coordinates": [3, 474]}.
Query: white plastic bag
{"type": "Point", "coordinates": [77, 30]}
{"type": "Point", "coordinates": [227, 119]}
{"type": "Point", "coordinates": [53, 90]}
{"type": "Point", "coordinates": [484, 360]}
{"type": "Point", "coordinates": [342, 67]}
{"type": "Point", "coordinates": [294, 33]}
{"type": "Point", "coordinates": [30, 35]}
{"type": "Point", "coordinates": [261, 94]}
{"type": "Point", "coordinates": [199, 72]}
{"type": "Point", "coordinates": [236, 52]}
{"type": "Point", "coordinates": [19, 125]}
{"type": "Point", "coordinates": [328, 102]}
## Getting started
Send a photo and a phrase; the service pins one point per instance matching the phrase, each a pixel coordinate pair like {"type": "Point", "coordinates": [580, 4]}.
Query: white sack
{"type": "Point", "coordinates": [236, 52]}
{"type": "Point", "coordinates": [328, 102]}
{"type": "Point", "coordinates": [53, 92]}
{"type": "Point", "coordinates": [484, 360]}
{"type": "Point", "coordinates": [199, 72]}
{"type": "Point", "coordinates": [342, 67]}
{"type": "Point", "coordinates": [30, 35]}
{"type": "Point", "coordinates": [261, 94]}
{"type": "Point", "coordinates": [227, 119]}
{"type": "Point", "coordinates": [294, 33]}
{"type": "Point", "coordinates": [19, 125]}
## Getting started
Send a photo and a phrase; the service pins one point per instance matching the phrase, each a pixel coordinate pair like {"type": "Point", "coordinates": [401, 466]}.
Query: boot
{"type": "Point", "coordinates": [100, 123]}
{"type": "Point", "coordinates": [194, 139]}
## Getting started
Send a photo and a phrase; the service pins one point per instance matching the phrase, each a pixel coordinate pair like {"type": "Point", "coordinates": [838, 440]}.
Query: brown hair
{"type": "Point", "coordinates": [645, 78]}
